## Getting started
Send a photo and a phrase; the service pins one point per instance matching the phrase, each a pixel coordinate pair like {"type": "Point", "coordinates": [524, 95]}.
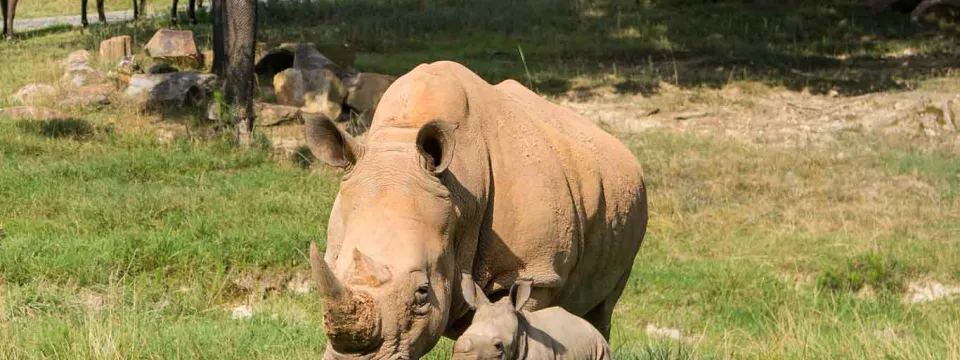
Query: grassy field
{"type": "Point", "coordinates": [116, 243]}
{"type": "Point", "coordinates": [33, 9]}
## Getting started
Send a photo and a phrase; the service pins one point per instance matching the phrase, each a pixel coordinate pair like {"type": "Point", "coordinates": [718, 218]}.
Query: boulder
{"type": "Point", "coordinates": [323, 93]}
{"type": "Point", "coordinates": [273, 114]}
{"type": "Point", "coordinates": [78, 71]}
{"type": "Point", "coordinates": [161, 68]}
{"type": "Point", "coordinates": [115, 48]}
{"type": "Point", "coordinates": [178, 89]}
{"type": "Point", "coordinates": [364, 92]}
{"type": "Point", "coordinates": [288, 87]}
{"type": "Point", "coordinates": [34, 93]}
{"type": "Point", "coordinates": [307, 57]}
{"type": "Point", "coordinates": [176, 46]}
{"type": "Point", "coordinates": [31, 112]}
{"type": "Point", "coordinates": [303, 56]}
{"type": "Point", "coordinates": [98, 94]}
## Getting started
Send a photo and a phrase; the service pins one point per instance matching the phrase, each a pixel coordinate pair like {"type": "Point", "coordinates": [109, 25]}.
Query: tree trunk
{"type": "Point", "coordinates": [219, 48]}
{"type": "Point", "coordinates": [240, 34]}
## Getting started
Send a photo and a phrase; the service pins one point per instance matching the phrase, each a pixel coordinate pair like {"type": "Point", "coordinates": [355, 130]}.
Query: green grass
{"type": "Point", "coordinates": [35, 9]}
{"type": "Point", "coordinates": [115, 244]}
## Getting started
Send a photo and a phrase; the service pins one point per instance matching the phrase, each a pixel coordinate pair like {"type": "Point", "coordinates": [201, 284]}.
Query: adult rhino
{"type": "Point", "coordinates": [459, 181]}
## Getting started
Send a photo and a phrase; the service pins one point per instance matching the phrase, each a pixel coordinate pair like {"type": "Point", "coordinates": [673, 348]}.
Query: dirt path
{"type": "Point", "coordinates": [112, 17]}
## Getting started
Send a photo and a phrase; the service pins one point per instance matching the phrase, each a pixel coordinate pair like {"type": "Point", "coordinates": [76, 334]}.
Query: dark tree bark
{"type": "Point", "coordinates": [136, 11]}
{"type": "Point", "coordinates": [240, 35]}
{"type": "Point", "coordinates": [219, 46]}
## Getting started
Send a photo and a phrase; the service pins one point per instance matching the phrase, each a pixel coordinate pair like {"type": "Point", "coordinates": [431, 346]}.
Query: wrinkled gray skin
{"type": "Point", "coordinates": [460, 182]}
{"type": "Point", "coordinates": [503, 331]}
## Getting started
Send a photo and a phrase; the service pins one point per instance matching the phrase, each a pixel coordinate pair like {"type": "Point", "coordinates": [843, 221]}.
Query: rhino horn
{"type": "Point", "coordinates": [350, 318]}
{"type": "Point", "coordinates": [328, 285]}
{"type": "Point", "coordinates": [367, 271]}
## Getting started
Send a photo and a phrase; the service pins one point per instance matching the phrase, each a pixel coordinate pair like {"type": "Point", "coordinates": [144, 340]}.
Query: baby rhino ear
{"type": "Point", "coordinates": [473, 293]}
{"type": "Point", "coordinates": [520, 293]}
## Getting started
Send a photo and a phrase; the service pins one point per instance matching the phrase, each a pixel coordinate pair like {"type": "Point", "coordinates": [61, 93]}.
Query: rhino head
{"type": "Point", "coordinates": [388, 275]}
{"type": "Point", "coordinates": [496, 331]}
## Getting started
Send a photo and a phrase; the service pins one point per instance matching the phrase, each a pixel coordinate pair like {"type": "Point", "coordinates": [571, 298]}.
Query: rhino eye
{"type": "Point", "coordinates": [420, 299]}
{"type": "Point", "coordinates": [498, 345]}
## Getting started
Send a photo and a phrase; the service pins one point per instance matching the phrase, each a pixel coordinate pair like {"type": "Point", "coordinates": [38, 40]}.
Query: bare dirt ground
{"type": "Point", "coordinates": [762, 115]}
{"type": "Point", "coordinates": [755, 114]}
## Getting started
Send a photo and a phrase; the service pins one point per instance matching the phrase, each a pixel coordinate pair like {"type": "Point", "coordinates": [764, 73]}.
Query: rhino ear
{"type": "Point", "coordinates": [520, 293]}
{"type": "Point", "coordinates": [329, 143]}
{"type": "Point", "coordinates": [435, 143]}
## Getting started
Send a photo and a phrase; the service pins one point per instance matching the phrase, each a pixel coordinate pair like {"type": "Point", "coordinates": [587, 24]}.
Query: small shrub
{"type": "Point", "coordinates": [882, 274]}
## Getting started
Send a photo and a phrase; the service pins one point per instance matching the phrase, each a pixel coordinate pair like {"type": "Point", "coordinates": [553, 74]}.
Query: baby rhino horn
{"type": "Point", "coordinates": [366, 271]}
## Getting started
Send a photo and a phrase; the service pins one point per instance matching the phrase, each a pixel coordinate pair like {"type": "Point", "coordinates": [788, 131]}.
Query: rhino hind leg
{"type": "Point", "coordinates": [601, 315]}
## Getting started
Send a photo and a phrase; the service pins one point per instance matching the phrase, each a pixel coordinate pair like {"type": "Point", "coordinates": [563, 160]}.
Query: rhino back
{"type": "Point", "coordinates": [555, 333]}
{"type": "Point", "coordinates": [569, 207]}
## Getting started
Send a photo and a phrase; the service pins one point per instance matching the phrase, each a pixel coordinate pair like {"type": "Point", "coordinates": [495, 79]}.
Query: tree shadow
{"type": "Point", "coordinates": [824, 46]}
{"type": "Point", "coordinates": [65, 128]}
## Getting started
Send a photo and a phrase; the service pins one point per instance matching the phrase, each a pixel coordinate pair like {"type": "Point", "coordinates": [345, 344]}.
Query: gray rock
{"type": "Point", "coordinates": [303, 56]}
{"type": "Point", "coordinates": [307, 57]}
{"type": "Point", "coordinates": [178, 89]}
{"type": "Point", "coordinates": [161, 68]}
{"type": "Point", "coordinates": [176, 46]}
{"type": "Point", "coordinates": [289, 87]}
{"type": "Point", "coordinates": [324, 93]}
{"type": "Point", "coordinates": [273, 114]}
{"type": "Point", "coordinates": [364, 92]}
{"type": "Point", "coordinates": [78, 71]}
{"type": "Point", "coordinates": [34, 93]}
{"type": "Point", "coordinates": [98, 94]}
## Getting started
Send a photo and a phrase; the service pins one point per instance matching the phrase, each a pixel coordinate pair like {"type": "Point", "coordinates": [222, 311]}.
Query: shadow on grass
{"type": "Point", "coordinates": [66, 128]}
{"type": "Point", "coordinates": [40, 32]}
{"type": "Point", "coordinates": [820, 45]}
{"type": "Point", "coordinates": [629, 46]}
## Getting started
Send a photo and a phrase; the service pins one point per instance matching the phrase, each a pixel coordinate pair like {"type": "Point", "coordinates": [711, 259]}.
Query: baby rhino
{"type": "Point", "coordinates": [503, 331]}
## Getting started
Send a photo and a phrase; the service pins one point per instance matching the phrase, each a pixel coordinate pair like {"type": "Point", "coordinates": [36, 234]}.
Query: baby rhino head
{"type": "Point", "coordinates": [496, 329]}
